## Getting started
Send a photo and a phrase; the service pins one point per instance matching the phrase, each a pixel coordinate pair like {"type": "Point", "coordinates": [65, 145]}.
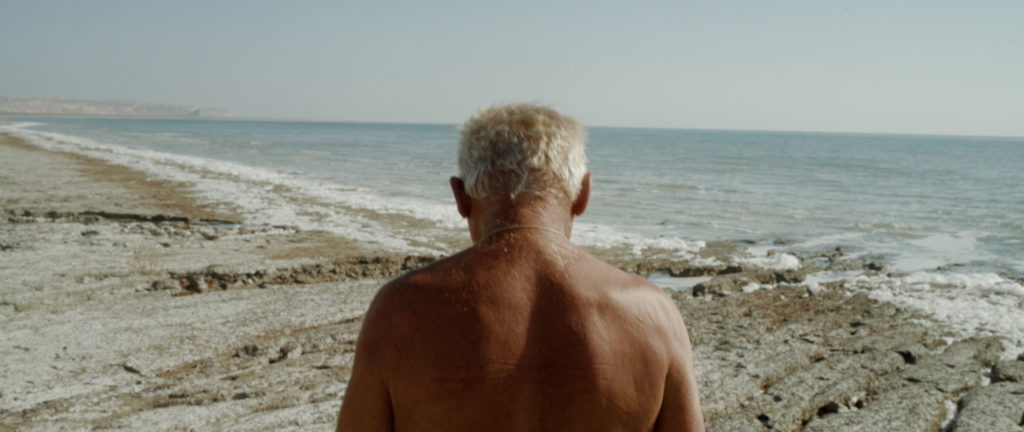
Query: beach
{"type": "Point", "coordinates": [130, 302]}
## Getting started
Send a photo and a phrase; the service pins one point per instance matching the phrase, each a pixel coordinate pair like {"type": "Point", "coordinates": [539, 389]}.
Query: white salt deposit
{"type": "Point", "coordinates": [779, 261]}
{"type": "Point", "coordinates": [972, 304]}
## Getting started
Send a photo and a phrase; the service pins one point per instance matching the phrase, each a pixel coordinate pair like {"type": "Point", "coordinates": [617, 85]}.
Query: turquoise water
{"type": "Point", "coordinates": [920, 202]}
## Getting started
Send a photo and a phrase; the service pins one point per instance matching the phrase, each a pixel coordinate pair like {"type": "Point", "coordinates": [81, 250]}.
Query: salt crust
{"type": "Point", "coordinates": [972, 304]}
{"type": "Point", "coordinates": [781, 261]}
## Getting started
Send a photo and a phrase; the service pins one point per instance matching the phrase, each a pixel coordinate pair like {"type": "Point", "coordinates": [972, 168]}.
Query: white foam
{"type": "Point", "coordinates": [604, 236]}
{"type": "Point", "coordinates": [830, 240]}
{"type": "Point", "coordinates": [257, 192]}
{"type": "Point", "coordinates": [939, 249]}
{"type": "Point", "coordinates": [268, 197]}
{"type": "Point", "coordinates": [18, 125]}
{"type": "Point", "coordinates": [978, 282]}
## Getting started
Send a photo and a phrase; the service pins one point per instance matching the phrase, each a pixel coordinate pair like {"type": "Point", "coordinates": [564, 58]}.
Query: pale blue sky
{"type": "Point", "coordinates": [944, 67]}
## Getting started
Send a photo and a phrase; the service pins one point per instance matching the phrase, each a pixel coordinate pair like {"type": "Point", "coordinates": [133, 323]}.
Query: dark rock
{"type": "Point", "coordinates": [721, 285]}
{"type": "Point", "coordinates": [913, 409]}
{"type": "Point", "coordinates": [686, 270]}
{"type": "Point", "coordinates": [913, 352]}
{"type": "Point", "coordinates": [208, 234]}
{"type": "Point", "coordinates": [289, 350]}
{"type": "Point", "coordinates": [196, 283]}
{"type": "Point", "coordinates": [736, 386]}
{"type": "Point", "coordinates": [126, 217]}
{"type": "Point", "coordinates": [165, 284]}
{"type": "Point", "coordinates": [997, 407]}
{"type": "Point", "coordinates": [958, 368]}
{"type": "Point", "coordinates": [829, 408]}
{"type": "Point", "coordinates": [986, 351]}
{"type": "Point", "coordinates": [1008, 370]}
{"type": "Point", "coordinates": [731, 269]}
{"type": "Point", "coordinates": [822, 387]}
{"type": "Point", "coordinates": [90, 233]}
{"type": "Point", "coordinates": [887, 342]}
{"type": "Point", "coordinates": [21, 220]}
{"type": "Point", "coordinates": [128, 368]}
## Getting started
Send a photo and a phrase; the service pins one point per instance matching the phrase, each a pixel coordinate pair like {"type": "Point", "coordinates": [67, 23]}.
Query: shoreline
{"type": "Point", "coordinates": [98, 185]}
{"type": "Point", "coordinates": [175, 322]}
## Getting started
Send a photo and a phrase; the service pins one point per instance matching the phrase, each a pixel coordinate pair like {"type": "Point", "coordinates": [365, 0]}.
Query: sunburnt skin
{"type": "Point", "coordinates": [523, 331]}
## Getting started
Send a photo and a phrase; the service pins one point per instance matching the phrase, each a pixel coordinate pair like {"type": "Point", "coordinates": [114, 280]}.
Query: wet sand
{"type": "Point", "coordinates": [125, 305]}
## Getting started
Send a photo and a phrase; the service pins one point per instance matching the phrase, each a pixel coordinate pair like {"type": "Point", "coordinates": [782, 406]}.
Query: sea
{"type": "Point", "coordinates": [944, 213]}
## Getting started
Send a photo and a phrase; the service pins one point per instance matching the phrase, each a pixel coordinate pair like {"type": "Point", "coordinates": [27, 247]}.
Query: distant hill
{"type": "Point", "coordinates": [60, 106]}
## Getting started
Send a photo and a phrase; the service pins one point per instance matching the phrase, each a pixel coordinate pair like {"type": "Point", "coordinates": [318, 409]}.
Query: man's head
{"type": "Point", "coordinates": [515, 151]}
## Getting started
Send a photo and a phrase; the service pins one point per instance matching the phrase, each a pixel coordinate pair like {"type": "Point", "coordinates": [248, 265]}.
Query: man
{"type": "Point", "coordinates": [523, 331]}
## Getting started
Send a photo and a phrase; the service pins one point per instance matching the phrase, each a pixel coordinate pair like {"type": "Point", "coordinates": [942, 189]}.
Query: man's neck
{"type": "Point", "coordinates": [546, 215]}
{"type": "Point", "coordinates": [500, 230]}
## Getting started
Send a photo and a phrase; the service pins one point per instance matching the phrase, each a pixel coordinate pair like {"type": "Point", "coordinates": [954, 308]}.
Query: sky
{"type": "Point", "coordinates": [932, 67]}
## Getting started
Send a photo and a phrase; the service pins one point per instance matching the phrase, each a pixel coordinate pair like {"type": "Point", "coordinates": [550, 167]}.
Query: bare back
{"type": "Point", "coordinates": [518, 334]}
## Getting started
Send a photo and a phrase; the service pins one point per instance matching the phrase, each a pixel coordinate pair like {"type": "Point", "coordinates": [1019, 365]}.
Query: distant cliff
{"type": "Point", "coordinates": [59, 106]}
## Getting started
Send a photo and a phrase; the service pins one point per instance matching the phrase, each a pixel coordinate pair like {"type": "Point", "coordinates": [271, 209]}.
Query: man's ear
{"type": "Point", "coordinates": [462, 200]}
{"type": "Point", "coordinates": [580, 204]}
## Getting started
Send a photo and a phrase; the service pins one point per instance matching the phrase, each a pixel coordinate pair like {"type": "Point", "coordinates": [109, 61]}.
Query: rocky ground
{"type": "Point", "coordinates": [126, 306]}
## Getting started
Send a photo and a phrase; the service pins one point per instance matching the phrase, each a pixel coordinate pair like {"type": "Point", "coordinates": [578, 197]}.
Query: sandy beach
{"type": "Point", "coordinates": [127, 305]}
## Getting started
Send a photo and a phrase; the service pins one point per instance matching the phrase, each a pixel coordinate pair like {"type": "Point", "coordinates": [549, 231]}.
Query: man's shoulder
{"type": "Point", "coordinates": [637, 294]}
{"type": "Point", "coordinates": [433, 274]}
{"type": "Point", "coordinates": [410, 288]}
{"type": "Point", "coordinates": [626, 283]}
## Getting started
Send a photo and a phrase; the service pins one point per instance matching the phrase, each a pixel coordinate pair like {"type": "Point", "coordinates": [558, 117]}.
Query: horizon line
{"type": "Point", "coordinates": [386, 122]}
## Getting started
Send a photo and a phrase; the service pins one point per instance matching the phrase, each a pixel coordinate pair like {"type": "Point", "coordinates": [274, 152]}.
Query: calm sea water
{"type": "Point", "coordinates": [943, 211]}
{"type": "Point", "coordinates": [919, 201]}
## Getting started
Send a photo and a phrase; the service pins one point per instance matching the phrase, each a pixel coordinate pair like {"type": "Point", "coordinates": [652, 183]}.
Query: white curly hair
{"type": "Point", "coordinates": [522, 150]}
